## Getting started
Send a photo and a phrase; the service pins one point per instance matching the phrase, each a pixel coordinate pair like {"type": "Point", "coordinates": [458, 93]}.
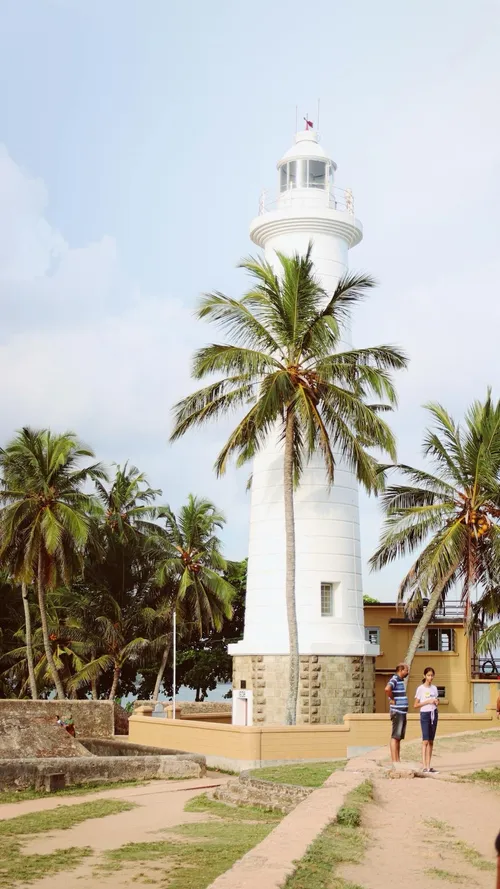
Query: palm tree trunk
{"type": "Point", "coordinates": [29, 642]}
{"type": "Point", "coordinates": [94, 689]}
{"type": "Point", "coordinates": [45, 631]}
{"type": "Point", "coordinates": [427, 616]}
{"type": "Point", "coordinates": [114, 686]}
{"type": "Point", "coordinates": [291, 612]}
{"type": "Point", "coordinates": [161, 670]}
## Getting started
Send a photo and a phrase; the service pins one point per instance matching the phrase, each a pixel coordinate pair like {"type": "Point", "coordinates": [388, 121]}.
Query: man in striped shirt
{"type": "Point", "coordinates": [398, 700]}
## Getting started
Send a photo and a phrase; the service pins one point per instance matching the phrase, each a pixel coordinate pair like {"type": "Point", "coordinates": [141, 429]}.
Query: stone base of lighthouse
{"type": "Point", "coordinates": [329, 686]}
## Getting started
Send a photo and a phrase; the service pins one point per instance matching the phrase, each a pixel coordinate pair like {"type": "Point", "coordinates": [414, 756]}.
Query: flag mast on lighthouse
{"type": "Point", "coordinates": [337, 667]}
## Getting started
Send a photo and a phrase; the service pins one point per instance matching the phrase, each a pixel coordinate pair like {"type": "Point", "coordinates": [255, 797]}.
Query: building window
{"type": "Point", "coordinates": [327, 600]}
{"type": "Point", "coordinates": [372, 635]}
{"type": "Point", "coordinates": [437, 640]}
{"type": "Point", "coordinates": [441, 691]}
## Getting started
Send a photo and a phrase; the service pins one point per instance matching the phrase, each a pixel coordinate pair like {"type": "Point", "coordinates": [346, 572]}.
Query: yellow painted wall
{"type": "Point", "coordinates": [452, 668]}
{"type": "Point", "coordinates": [241, 744]}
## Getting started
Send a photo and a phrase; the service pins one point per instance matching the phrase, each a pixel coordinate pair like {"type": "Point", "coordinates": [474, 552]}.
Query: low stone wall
{"type": "Point", "coordinates": [93, 719]}
{"type": "Point", "coordinates": [248, 747]}
{"type": "Point", "coordinates": [106, 747]}
{"type": "Point", "coordinates": [21, 774]}
{"type": "Point", "coordinates": [251, 791]}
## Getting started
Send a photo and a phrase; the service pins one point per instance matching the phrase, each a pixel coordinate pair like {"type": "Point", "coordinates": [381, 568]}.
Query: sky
{"type": "Point", "coordinates": [135, 138]}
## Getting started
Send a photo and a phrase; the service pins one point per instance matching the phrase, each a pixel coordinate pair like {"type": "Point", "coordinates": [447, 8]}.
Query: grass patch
{"type": "Point", "coordinates": [18, 796]}
{"type": "Point", "coordinates": [203, 803]}
{"type": "Point", "coordinates": [312, 774]}
{"type": "Point", "coordinates": [212, 849]}
{"type": "Point", "coordinates": [341, 842]}
{"type": "Point", "coordinates": [435, 823]}
{"type": "Point", "coordinates": [62, 818]}
{"type": "Point", "coordinates": [336, 845]}
{"type": "Point", "coordinates": [439, 874]}
{"type": "Point", "coordinates": [349, 813]}
{"type": "Point", "coordinates": [485, 776]}
{"type": "Point", "coordinates": [473, 857]}
{"type": "Point", "coordinates": [452, 744]}
{"type": "Point", "coordinates": [16, 868]}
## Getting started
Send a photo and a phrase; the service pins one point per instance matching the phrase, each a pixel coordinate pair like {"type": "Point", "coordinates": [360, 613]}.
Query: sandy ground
{"type": "Point", "coordinates": [413, 826]}
{"type": "Point", "coordinates": [160, 805]}
{"type": "Point", "coordinates": [405, 839]}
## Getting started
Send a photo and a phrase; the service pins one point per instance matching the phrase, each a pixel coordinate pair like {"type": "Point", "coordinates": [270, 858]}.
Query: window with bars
{"type": "Point", "coordinates": [437, 639]}
{"type": "Point", "coordinates": [327, 604]}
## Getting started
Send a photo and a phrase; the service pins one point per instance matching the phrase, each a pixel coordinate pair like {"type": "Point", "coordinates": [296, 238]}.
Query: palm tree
{"type": "Point", "coordinates": [282, 362]}
{"type": "Point", "coordinates": [451, 516]}
{"type": "Point", "coordinates": [45, 516]}
{"type": "Point", "coordinates": [191, 564]}
{"type": "Point", "coordinates": [108, 605]}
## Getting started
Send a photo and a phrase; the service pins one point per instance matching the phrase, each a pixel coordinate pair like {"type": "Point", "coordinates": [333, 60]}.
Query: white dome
{"type": "Point", "coordinates": [306, 145]}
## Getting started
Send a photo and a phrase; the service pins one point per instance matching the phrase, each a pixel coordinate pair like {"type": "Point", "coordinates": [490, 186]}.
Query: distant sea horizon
{"type": "Point", "coordinates": [187, 694]}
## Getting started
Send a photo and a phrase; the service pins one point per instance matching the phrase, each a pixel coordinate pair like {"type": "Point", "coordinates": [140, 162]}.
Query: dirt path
{"type": "Point", "coordinates": [160, 805]}
{"type": "Point", "coordinates": [414, 828]}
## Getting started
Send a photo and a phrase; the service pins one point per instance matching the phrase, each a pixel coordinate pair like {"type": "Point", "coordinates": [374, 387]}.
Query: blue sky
{"type": "Point", "coordinates": [136, 138]}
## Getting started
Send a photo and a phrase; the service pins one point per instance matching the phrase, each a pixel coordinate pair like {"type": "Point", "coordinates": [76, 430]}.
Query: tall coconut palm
{"type": "Point", "coordinates": [190, 564]}
{"type": "Point", "coordinates": [119, 570]}
{"type": "Point", "coordinates": [450, 516]}
{"type": "Point", "coordinates": [282, 363]}
{"type": "Point", "coordinates": [45, 513]}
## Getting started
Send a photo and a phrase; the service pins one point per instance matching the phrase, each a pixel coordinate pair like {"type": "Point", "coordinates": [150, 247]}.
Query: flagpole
{"type": "Point", "coordinates": [174, 668]}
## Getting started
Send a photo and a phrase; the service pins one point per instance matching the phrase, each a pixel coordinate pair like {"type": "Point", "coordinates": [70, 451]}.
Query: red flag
{"type": "Point", "coordinates": [309, 123]}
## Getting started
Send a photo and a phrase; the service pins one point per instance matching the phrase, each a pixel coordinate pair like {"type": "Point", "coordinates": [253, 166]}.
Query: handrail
{"type": "Point", "coordinates": [334, 198]}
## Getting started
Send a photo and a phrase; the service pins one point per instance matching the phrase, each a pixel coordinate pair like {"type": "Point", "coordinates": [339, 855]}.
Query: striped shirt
{"type": "Point", "coordinates": [399, 694]}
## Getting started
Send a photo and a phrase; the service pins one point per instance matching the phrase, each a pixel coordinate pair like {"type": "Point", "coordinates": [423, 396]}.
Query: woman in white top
{"type": "Point", "coordinates": [427, 700]}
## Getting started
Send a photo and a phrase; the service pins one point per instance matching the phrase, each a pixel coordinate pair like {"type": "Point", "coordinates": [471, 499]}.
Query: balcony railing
{"type": "Point", "coordinates": [485, 666]}
{"type": "Point", "coordinates": [451, 610]}
{"type": "Point", "coordinates": [334, 198]}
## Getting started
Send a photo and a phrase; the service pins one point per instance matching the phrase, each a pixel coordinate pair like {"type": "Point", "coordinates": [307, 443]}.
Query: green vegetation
{"type": "Point", "coordinates": [485, 776]}
{"type": "Point", "coordinates": [341, 842]}
{"type": "Point", "coordinates": [313, 774]}
{"type": "Point", "coordinates": [435, 823]}
{"type": "Point", "coordinates": [336, 845]}
{"type": "Point", "coordinates": [18, 796]}
{"type": "Point", "coordinates": [449, 877]}
{"type": "Point", "coordinates": [61, 818]}
{"type": "Point", "coordinates": [91, 572]}
{"type": "Point", "coordinates": [450, 518]}
{"type": "Point", "coordinates": [284, 363]}
{"type": "Point", "coordinates": [196, 853]}
{"type": "Point", "coordinates": [17, 868]}
{"type": "Point", "coordinates": [473, 857]}
{"type": "Point", "coordinates": [214, 807]}
{"type": "Point", "coordinates": [349, 814]}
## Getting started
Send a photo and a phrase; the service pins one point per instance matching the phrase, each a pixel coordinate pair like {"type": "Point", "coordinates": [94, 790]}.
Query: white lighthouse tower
{"type": "Point", "coordinates": [337, 663]}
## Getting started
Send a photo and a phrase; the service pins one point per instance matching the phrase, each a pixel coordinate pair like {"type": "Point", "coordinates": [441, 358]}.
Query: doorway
{"type": "Point", "coordinates": [481, 699]}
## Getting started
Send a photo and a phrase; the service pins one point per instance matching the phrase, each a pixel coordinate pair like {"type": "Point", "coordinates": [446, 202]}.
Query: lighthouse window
{"type": "Point", "coordinates": [316, 175]}
{"type": "Point", "coordinates": [327, 600]}
{"type": "Point", "coordinates": [372, 635]}
{"type": "Point", "coordinates": [288, 175]}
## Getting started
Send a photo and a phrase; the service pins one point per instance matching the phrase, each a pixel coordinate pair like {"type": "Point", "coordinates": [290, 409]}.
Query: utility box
{"type": "Point", "coordinates": [242, 706]}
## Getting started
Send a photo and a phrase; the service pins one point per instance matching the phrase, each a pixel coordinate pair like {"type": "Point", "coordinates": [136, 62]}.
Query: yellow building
{"type": "Point", "coordinates": [467, 683]}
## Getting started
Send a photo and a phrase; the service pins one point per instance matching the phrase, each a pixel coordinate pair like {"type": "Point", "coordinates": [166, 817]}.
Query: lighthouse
{"type": "Point", "coordinates": [337, 661]}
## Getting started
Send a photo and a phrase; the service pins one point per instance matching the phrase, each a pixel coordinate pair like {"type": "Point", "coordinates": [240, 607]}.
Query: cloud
{"type": "Point", "coordinates": [83, 348]}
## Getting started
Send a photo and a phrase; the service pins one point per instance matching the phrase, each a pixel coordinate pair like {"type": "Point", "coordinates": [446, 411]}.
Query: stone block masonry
{"type": "Point", "coordinates": [93, 719]}
{"type": "Point", "coordinates": [329, 687]}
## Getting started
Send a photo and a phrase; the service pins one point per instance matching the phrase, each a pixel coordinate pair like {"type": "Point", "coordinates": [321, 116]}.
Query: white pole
{"type": "Point", "coordinates": [174, 671]}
